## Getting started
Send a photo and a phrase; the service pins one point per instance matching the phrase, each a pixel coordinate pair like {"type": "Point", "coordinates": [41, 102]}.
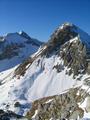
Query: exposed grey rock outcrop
{"type": "Point", "coordinates": [59, 107]}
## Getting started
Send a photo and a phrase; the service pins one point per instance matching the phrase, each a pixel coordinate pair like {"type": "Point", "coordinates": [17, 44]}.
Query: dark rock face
{"type": "Point", "coordinates": [58, 38]}
{"type": "Point", "coordinates": [74, 56]}
{"type": "Point", "coordinates": [7, 115]}
{"type": "Point", "coordinates": [25, 35]}
{"type": "Point", "coordinates": [22, 68]}
{"type": "Point", "coordinates": [10, 51]}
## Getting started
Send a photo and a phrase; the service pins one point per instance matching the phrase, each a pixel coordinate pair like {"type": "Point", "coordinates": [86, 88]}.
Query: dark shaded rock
{"type": "Point", "coordinates": [8, 114]}
{"type": "Point", "coordinates": [17, 104]}
{"type": "Point", "coordinates": [74, 56]}
{"type": "Point", "coordinates": [58, 38]}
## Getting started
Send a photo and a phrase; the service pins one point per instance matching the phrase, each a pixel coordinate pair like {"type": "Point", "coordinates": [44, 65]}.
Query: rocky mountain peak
{"type": "Point", "coordinates": [61, 35]}
{"type": "Point", "coordinates": [70, 43]}
{"type": "Point", "coordinates": [24, 34]}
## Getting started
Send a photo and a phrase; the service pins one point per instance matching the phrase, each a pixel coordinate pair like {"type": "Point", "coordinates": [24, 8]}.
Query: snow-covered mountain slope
{"type": "Point", "coordinates": [60, 64]}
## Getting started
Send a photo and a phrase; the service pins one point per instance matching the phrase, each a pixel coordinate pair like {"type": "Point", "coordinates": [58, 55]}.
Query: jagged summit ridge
{"type": "Point", "coordinates": [67, 38]}
{"type": "Point", "coordinates": [64, 33]}
{"type": "Point", "coordinates": [24, 34]}
{"type": "Point", "coordinates": [66, 24]}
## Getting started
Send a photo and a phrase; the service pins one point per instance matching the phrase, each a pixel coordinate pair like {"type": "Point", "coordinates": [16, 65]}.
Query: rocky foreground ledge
{"type": "Point", "coordinates": [8, 115]}
{"type": "Point", "coordinates": [66, 106]}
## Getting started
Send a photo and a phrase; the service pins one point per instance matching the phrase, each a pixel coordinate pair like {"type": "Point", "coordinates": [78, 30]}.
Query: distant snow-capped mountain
{"type": "Point", "coordinates": [16, 47]}
{"type": "Point", "coordinates": [60, 67]}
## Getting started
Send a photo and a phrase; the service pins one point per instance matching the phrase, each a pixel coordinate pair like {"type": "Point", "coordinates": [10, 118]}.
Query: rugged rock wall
{"type": "Point", "coordinates": [59, 107]}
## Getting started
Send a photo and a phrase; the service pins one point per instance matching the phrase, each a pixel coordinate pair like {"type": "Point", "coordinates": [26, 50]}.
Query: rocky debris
{"type": "Point", "coordinates": [22, 67]}
{"type": "Point", "coordinates": [64, 106]}
{"type": "Point", "coordinates": [25, 35]}
{"type": "Point", "coordinates": [74, 56]}
{"type": "Point", "coordinates": [58, 38]}
{"type": "Point", "coordinates": [58, 67]}
{"type": "Point", "coordinates": [8, 115]}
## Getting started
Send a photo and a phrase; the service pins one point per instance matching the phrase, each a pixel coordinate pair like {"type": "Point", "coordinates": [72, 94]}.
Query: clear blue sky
{"type": "Point", "coordinates": [39, 18]}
